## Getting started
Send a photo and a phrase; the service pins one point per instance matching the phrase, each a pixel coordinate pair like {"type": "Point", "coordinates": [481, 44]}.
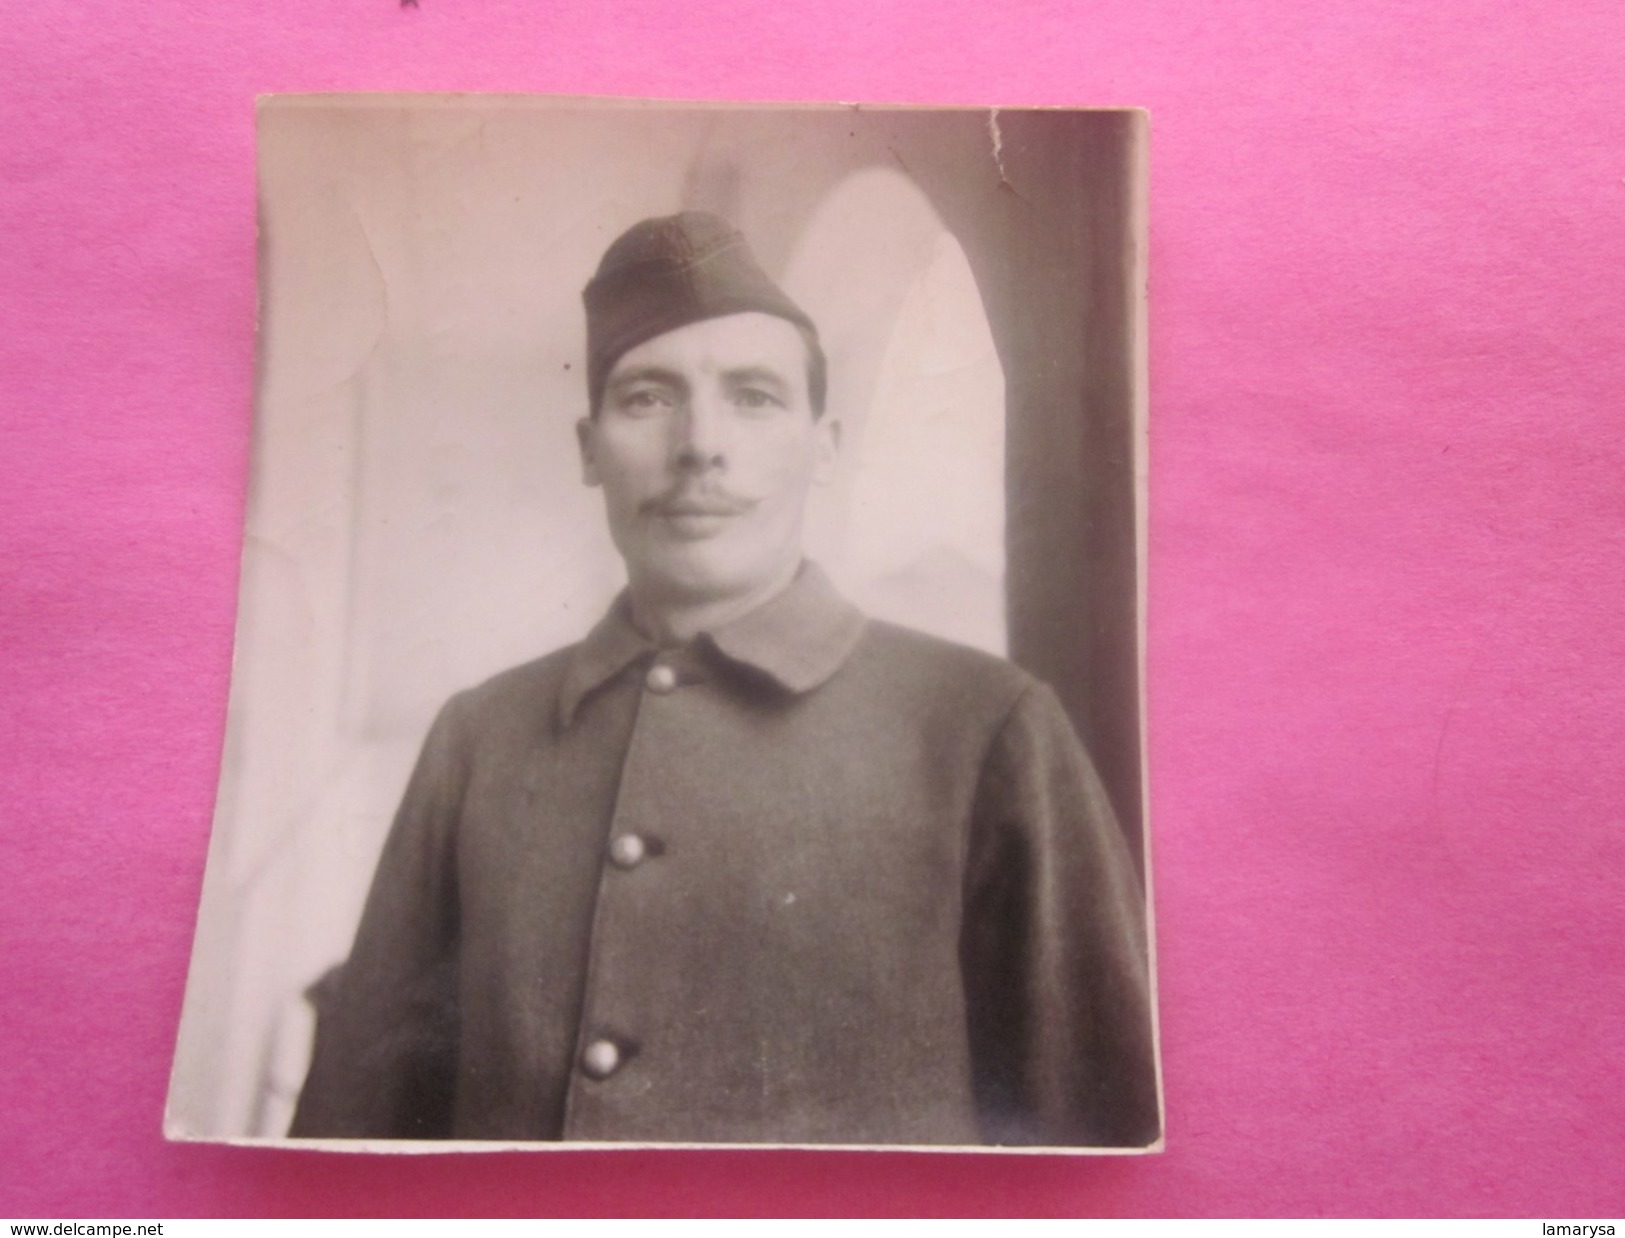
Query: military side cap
{"type": "Point", "coordinates": [666, 273]}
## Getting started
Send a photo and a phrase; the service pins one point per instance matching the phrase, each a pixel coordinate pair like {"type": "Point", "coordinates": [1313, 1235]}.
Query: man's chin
{"type": "Point", "coordinates": [702, 572]}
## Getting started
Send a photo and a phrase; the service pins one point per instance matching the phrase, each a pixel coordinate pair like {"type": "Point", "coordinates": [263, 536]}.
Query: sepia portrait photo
{"type": "Point", "coordinates": [689, 655]}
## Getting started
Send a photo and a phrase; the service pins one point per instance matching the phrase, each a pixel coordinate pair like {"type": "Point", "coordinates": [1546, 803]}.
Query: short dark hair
{"type": "Point", "coordinates": [817, 371]}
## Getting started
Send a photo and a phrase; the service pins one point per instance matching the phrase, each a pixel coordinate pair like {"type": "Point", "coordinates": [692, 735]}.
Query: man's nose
{"type": "Point", "coordinates": [700, 435]}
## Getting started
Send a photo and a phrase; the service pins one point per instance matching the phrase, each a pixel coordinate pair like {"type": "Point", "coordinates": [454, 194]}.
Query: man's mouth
{"type": "Point", "coordinates": [699, 507]}
{"type": "Point", "coordinates": [696, 516]}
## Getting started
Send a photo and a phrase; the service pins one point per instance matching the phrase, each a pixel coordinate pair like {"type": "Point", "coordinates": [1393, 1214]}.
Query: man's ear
{"type": "Point", "coordinates": [586, 428]}
{"type": "Point", "coordinates": [828, 448]}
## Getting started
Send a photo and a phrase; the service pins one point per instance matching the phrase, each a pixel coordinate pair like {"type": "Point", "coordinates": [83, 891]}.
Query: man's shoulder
{"type": "Point", "coordinates": [933, 671]}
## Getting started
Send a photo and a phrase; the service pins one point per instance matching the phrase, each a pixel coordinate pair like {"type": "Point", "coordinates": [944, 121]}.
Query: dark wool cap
{"type": "Point", "coordinates": [665, 273]}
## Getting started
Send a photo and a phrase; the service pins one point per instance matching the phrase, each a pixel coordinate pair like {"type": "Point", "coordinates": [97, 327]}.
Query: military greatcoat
{"type": "Point", "coordinates": [809, 879]}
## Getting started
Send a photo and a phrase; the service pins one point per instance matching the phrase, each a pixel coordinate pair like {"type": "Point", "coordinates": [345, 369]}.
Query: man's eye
{"type": "Point", "coordinates": [645, 400]}
{"type": "Point", "coordinates": [756, 399]}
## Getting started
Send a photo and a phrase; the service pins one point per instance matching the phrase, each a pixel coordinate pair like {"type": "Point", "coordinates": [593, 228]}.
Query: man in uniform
{"type": "Point", "coordinates": [741, 866]}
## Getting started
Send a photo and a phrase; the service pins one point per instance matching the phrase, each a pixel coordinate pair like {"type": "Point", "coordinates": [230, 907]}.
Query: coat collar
{"type": "Point", "coordinates": [798, 639]}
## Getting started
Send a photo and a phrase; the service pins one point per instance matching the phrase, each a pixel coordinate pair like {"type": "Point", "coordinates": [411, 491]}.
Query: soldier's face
{"type": "Point", "coordinates": [706, 446]}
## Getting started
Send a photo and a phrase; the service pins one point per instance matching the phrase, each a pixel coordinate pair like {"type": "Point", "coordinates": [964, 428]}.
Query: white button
{"type": "Point", "coordinates": [661, 678]}
{"type": "Point", "coordinates": [601, 1059]}
{"type": "Point", "coordinates": [627, 851]}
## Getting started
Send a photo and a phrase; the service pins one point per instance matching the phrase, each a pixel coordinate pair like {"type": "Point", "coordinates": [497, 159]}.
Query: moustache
{"type": "Point", "coordinates": [692, 500]}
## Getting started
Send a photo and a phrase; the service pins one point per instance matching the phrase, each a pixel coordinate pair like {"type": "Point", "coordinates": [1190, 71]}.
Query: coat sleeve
{"type": "Point", "coordinates": [1053, 948]}
{"type": "Point", "coordinates": [385, 1058]}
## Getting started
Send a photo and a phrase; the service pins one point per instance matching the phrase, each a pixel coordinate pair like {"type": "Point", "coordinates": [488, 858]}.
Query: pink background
{"type": "Point", "coordinates": [1387, 680]}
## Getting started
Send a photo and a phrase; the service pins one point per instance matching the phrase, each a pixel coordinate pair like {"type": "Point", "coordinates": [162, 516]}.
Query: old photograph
{"type": "Point", "coordinates": [688, 684]}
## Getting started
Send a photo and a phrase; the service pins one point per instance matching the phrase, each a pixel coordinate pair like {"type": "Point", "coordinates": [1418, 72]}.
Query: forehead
{"type": "Point", "coordinates": [719, 345]}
